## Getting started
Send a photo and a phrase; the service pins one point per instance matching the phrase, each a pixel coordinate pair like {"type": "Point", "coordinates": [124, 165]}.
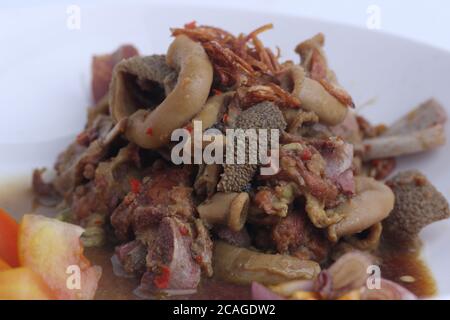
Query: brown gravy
{"type": "Point", "coordinates": [112, 287]}
{"type": "Point", "coordinates": [409, 270]}
{"type": "Point", "coordinates": [404, 267]}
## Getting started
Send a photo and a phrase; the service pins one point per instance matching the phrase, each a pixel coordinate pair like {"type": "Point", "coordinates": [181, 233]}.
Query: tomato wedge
{"type": "Point", "coordinates": [23, 284]}
{"type": "Point", "coordinates": [53, 250]}
{"type": "Point", "coordinates": [4, 265]}
{"type": "Point", "coordinates": [9, 230]}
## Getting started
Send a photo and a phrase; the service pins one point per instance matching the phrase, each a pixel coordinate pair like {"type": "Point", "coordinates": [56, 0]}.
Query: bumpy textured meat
{"type": "Point", "coordinates": [417, 204]}
{"type": "Point", "coordinates": [263, 115]}
{"type": "Point", "coordinates": [163, 192]}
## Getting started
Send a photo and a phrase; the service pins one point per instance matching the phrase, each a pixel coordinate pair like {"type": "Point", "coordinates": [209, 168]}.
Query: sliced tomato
{"type": "Point", "coordinates": [53, 250]}
{"type": "Point", "coordinates": [23, 284]}
{"type": "Point", "coordinates": [4, 265]}
{"type": "Point", "coordinates": [8, 239]}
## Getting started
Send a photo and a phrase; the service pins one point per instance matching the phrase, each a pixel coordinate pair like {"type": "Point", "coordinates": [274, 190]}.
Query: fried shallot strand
{"type": "Point", "coordinates": [242, 62]}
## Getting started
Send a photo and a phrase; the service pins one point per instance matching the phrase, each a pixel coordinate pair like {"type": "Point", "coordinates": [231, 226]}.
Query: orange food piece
{"type": "Point", "coordinates": [8, 239]}
{"type": "Point", "coordinates": [23, 284]}
{"type": "Point", "coordinates": [305, 295]}
{"type": "Point", "coordinates": [352, 295]}
{"type": "Point", "coordinates": [4, 265]}
{"type": "Point", "coordinates": [53, 250]}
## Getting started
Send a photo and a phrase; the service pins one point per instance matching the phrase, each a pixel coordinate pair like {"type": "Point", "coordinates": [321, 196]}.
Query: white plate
{"type": "Point", "coordinates": [45, 80]}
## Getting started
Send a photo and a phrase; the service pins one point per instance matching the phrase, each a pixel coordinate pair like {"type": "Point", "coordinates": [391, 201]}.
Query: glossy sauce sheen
{"type": "Point", "coordinates": [408, 269]}
{"type": "Point", "coordinates": [403, 267]}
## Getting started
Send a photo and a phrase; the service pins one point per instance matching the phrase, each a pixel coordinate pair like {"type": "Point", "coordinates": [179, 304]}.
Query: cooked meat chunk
{"type": "Point", "coordinates": [170, 255]}
{"type": "Point", "coordinates": [202, 247]}
{"type": "Point", "coordinates": [420, 130]}
{"type": "Point", "coordinates": [113, 178]}
{"type": "Point", "coordinates": [338, 156]}
{"type": "Point", "coordinates": [303, 165]}
{"type": "Point", "coordinates": [78, 162]}
{"type": "Point", "coordinates": [108, 188]}
{"type": "Point", "coordinates": [83, 202]}
{"type": "Point", "coordinates": [170, 265]}
{"type": "Point", "coordinates": [289, 233]}
{"type": "Point", "coordinates": [324, 165]}
{"type": "Point", "coordinates": [162, 193]}
{"type": "Point", "coordinates": [417, 204]}
{"type": "Point", "coordinates": [276, 200]}
{"type": "Point", "coordinates": [132, 256]}
{"type": "Point", "coordinates": [297, 236]}
{"type": "Point", "coordinates": [404, 144]}
{"type": "Point", "coordinates": [425, 115]}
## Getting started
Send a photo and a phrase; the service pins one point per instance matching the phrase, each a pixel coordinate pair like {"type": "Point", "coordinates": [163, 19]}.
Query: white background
{"type": "Point", "coordinates": [423, 20]}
